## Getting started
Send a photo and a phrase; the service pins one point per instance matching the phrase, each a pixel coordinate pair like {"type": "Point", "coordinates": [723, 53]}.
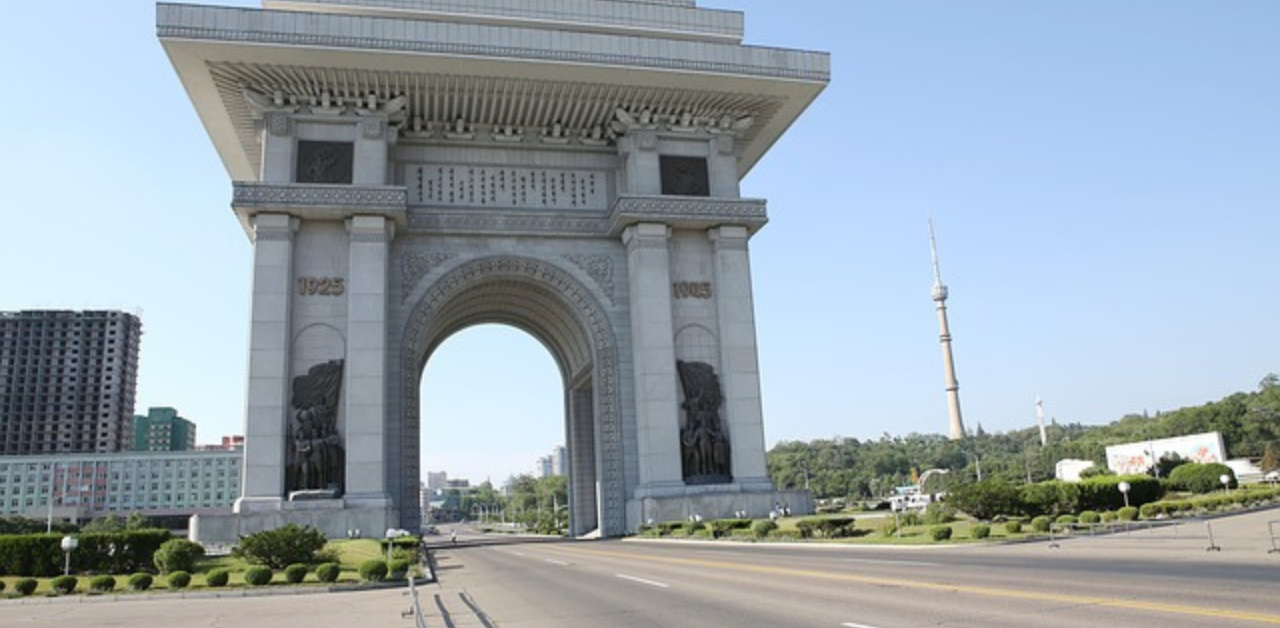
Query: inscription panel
{"type": "Point", "coordinates": [497, 187]}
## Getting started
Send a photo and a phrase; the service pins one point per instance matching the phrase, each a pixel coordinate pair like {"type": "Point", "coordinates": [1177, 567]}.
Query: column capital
{"type": "Point", "coordinates": [274, 227]}
{"type": "Point", "coordinates": [646, 235]}
{"type": "Point", "coordinates": [729, 237]}
{"type": "Point", "coordinates": [370, 229]}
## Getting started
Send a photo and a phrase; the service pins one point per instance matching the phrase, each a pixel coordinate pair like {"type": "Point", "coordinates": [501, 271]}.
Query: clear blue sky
{"type": "Point", "coordinates": [1104, 176]}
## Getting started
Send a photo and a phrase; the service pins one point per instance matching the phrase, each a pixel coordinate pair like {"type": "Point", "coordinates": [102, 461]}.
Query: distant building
{"type": "Point", "coordinates": [161, 429]}
{"type": "Point", "coordinates": [67, 381]}
{"type": "Point", "coordinates": [437, 480]}
{"type": "Point", "coordinates": [542, 468]}
{"type": "Point", "coordinates": [1069, 470]}
{"type": "Point", "coordinates": [82, 487]}
{"type": "Point", "coordinates": [229, 443]}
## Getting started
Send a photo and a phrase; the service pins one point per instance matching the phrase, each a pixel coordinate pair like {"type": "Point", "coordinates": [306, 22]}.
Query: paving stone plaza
{"type": "Point", "coordinates": [406, 169]}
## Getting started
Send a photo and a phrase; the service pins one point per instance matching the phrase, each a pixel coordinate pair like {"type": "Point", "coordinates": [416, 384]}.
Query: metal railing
{"type": "Point", "coordinates": [1271, 529]}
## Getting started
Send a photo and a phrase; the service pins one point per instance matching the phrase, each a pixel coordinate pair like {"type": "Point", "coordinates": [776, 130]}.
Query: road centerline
{"type": "Point", "coordinates": [652, 583]}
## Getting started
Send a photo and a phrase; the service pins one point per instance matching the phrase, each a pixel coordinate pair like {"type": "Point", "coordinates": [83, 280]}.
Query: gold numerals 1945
{"type": "Point", "coordinates": [322, 286]}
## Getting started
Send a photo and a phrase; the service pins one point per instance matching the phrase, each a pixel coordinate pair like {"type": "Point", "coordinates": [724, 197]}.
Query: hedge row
{"type": "Point", "coordinates": [41, 555]}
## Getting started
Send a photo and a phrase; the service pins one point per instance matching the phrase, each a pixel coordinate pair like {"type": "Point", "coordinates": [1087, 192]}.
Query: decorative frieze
{"type": "Point", "coordinates": [414, 265]}
{"type": "Point", "coordinates": [284, 195]}
{"type": "Point", "coordinates": [599, 268]}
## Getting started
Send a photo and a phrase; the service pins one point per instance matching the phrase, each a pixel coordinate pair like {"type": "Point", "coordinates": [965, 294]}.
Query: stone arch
{"type": "Point", "coordinates": [547, 302]}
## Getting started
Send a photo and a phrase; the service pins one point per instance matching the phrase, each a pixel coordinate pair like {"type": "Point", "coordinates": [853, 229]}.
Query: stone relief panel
{"type": "Point", "coordinates": [704, 442]}
{"type": "Point", "coordinates": [316, 461]}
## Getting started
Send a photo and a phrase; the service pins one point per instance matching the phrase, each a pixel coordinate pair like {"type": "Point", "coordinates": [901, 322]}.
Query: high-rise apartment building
{"type": "Point", "coordinates": [161, 429]}
{"type": "Point", "coordinates": [67, 381]}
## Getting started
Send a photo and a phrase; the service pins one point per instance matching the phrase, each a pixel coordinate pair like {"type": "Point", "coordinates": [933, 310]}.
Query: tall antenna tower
{"type": "Point", "coordinates": [948, 362]}
{"type": "Point", "coordinates": [1044, 439]}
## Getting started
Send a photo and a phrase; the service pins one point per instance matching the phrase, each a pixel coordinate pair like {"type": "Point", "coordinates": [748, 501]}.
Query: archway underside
{"type": "Point", "coordinates": [560, 313]}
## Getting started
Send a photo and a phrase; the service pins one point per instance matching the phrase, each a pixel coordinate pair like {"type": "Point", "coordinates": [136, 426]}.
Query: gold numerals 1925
{"type": "Point", "coordinates": [322, 286]}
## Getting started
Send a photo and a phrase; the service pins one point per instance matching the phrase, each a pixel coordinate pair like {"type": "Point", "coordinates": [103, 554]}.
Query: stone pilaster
{"type": "Point", "coordinates": [641, 168]}
{"type": "Point", "coordinates": [653, 352]}
{"type": "Point", "coordinates": [267, 406]}
{"type": "Point", "coordinates": [364, 396]}
{"type": "Point", "coordinates": [739, 364]}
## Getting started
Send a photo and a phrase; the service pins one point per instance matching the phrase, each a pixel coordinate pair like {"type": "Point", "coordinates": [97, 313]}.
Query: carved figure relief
{"type": "Point", "coordinates": [325, 162]}
{"type": "Point", "coordinates": [704, 443]}
{"type": "Point", "coordinates": [316, 456]}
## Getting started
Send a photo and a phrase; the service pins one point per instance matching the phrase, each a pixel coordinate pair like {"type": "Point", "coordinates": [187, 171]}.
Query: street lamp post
{"type": "Point", "coordinates": [69, 543]}
{"type": "Point", "coordinates": [1226, 482]}
{"type": "Point", "coordinates": [1124, 490]}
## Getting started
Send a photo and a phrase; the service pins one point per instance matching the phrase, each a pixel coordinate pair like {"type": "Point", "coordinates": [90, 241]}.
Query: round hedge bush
{"type": "Point", "coordinates": [1013, 527]}
{"type": "Point", "coordinates": [178, 555]}
{"type": "Point", "coordinates": [763, 528]}
{"type": "Point", "coordinates": [1041, 524]}
{"type": "Point", "coordinates": [1090, 517]}
{"type": "Point", "coordinates": [63, 584]}
{"type": "Point", "coordinates": [257, 575]}
{"type": "Point", "coordinates": [1066, 520]}
{"type": "Point", "coordinates": [1, 586]}
{"type": "Point", "coordinates": [373, 570]}
{"type": "Point", "coordinates": [940, 533]}
{"type": "Point", "coordinates": [295, 573]}
{"type": "Point", "coordinates": [328, 572]}
{"type": "Point", "coordinates": [1128, 513]}
{"type": "Point", "coordinates": [980, 531]}
{"type": "Point", "coordinates": [1107, 516]}
{"type": "Point", "coordinates": [26, 586]}
{"type": "Point", "coordinates": [140, 581]}
{"type": "Point", "coordinates": [217, 577]}
{"type": "Point", "coordinates": [102, 584]}
{"type": "Point", "coordinates": [178, 580]}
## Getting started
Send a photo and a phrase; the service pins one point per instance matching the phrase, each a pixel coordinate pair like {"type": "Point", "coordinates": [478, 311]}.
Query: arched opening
{"type": "Point", "coordinates": [492, 406]}
{"type": "Point", "coordinates": [549, 305]}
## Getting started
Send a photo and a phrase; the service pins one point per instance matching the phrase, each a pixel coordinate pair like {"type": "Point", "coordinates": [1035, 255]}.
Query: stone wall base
{"type": "Point", "coordinates": [333, 517]}
{"type": "Point", "coordinates": [709, 504]}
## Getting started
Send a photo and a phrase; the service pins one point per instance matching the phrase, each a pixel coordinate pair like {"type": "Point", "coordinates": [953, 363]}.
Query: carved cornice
{"type": "Point", "coordinates": [687, 212]}
{"type": "Point", "coordinates": [269, 196]}
{"type": "Point", "coordinates": [508, 223]}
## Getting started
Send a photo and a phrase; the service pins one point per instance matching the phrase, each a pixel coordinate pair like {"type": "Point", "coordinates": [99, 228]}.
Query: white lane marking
{"type": "Point", "coordinates": [911, 563]}
{"type": "Point", "coordinates": [556, 562]}
{"type": "Point", "coordinates": [642, 581]}
{"type": "Point", "coordinates": [519, 553]}
{"type": "Point", "coordinates": [852, 625]}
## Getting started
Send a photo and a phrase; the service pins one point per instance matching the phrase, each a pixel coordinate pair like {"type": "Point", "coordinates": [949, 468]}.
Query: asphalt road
{"type": "Point", "coordinates": [1159, 578]}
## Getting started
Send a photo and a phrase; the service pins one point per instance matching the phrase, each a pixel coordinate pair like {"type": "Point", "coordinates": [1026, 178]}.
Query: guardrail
{"type": "Point", "coordinates": [1271, 529]}
{"type": "Point", "coordinates": [1176, 528]}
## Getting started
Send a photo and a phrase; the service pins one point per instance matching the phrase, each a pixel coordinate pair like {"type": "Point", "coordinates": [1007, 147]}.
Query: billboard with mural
{"type": "Point", "coordinates": [1140, 456]}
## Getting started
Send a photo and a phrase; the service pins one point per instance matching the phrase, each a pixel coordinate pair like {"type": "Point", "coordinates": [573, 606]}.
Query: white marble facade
{"type": "Point", "coordinates": [432, 200]}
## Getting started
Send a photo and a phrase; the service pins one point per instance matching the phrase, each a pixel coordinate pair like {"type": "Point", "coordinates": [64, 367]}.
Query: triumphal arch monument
{"type": "Point", "coordinates": [408, 168]}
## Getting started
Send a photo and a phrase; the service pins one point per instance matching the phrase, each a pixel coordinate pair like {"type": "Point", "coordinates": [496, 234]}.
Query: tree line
{"type": "Point", "coordinates": [863, 469]}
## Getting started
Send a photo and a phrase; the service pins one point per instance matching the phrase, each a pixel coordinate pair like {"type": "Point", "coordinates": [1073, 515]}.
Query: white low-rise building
{"type": "Point", "coordinates": [82, 487]}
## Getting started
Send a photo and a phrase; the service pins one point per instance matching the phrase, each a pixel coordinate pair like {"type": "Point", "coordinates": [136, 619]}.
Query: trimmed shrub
{"type": "Point", "coordinates": [140, 582]}
{"type": "Point", "coordinates": [328, 572]}
{"type": "Point", "coordinates": [1152, 510]}
{"type": "Point", "coordinates": [1066, 520]}
{"type": "Point", "coordinates": [40, 555]}
{"type": "Point", "coordinates": [763, 528]}
{"type": "Point", "coordinates": [1090, 517]}
{"type": "Point", "coordinates": [64, 584]}
{"type": "Point", "coordinates": [282, 546]}
{"type": "Point", "coordinates": [1041, 524]}
{"type": "Point", "coordinates": [1107, 516]}
{"type": "Point", "coordinates": [986, 499]}
{"type": "Point", "coordinates": [258, 575]}
{"type": "Point", "coordinates": [693, 527]}
{"type": "Point", "coordinates": [806, 527]}
{"type": "Point", "coordinates": [940, 533]}
{"type": "Point", "coordinates": [25, 586]}
{"type": "Point", "coordinates": [178, 555]}
{"type": "Point", "coordinates": [980, 531]}
{"type": "Point", "coordinates": [889, 527]}
{"type": "Point", "coordinates": [1, 586]}
{"type": "Point", "coordinates": [178, 580]}
{"type": "Point", "coordinates": [217, 578]}
{"type": "Point", "coordinates": [1013, 527]}
{"type": "Point", "coordinates": [1103, 493]}
{"type": "Point", "coordinates": [102, 584]}
{"type": "Point", "coordinates": [1051, 498]}
{"type": "Point", "coordinates": [1201, 478]}
{"type": "Point", "coordinates": [937, 513]}
{"type": "Point", "coordinates": [725, 527]}
{"type": "Point", "coordinates": [295, 573]}
{"type": "Point", "coordinates": [373, 570]}
{"type": "Point", "coordinates": [397, 569]}
{"type": "Point", "coordinates": [1128, 513]}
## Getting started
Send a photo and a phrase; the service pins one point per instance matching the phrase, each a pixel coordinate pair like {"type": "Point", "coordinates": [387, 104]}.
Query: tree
{"type": "Point", "coordinates": [1271, 459]}
{"type": "Point", "coordinates": [281, 547]}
